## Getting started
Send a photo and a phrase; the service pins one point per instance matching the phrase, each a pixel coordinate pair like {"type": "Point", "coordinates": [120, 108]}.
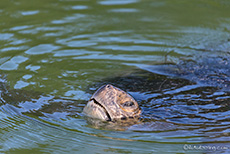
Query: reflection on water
{"type": "Point", "coordinates": [173, 57]}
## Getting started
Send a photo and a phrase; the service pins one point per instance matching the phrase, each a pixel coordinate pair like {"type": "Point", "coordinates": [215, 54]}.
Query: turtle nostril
{"type": "Point", "coordinates": [108, 86]}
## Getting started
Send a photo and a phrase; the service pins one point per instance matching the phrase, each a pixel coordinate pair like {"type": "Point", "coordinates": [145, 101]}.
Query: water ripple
{"type": "Point", "coordinates": [63, 53]}
{"type": "Point", "coordinates": [80, 7]}
{"type": "Point", "coordinates": [41, 49]}
{"type": "Point", "coordinates": [6, 36]}
{"type": "Point", "coordinates": [118, 2]}
{"type": "Point", "coordinates": [26, 13]}
{"type": "Point", "coordinates": [124, 10]}
{"type": "Point", "coordinates": [13, 63]}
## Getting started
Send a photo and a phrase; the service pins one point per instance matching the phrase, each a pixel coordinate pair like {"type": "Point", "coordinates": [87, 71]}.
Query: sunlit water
{"type": "Point", "coordinates": [172, 56]}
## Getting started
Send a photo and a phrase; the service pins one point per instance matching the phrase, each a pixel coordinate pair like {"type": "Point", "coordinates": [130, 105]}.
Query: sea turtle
{"type": "Point", "coordinates": [110, 103]}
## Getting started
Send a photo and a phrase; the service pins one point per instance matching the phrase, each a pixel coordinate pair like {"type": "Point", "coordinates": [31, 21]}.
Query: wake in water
{"type": "Point", "coordinates": [192, 96]}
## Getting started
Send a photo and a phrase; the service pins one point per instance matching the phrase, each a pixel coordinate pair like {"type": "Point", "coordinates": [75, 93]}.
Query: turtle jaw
{"type": "Point", "coordinates": [95, 109]}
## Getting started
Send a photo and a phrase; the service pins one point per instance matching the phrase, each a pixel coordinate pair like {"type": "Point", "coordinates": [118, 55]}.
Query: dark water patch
{"type": "Point", "coordinates": [204, 71]}
{"type": "Point", "coordinates": [144, 81]}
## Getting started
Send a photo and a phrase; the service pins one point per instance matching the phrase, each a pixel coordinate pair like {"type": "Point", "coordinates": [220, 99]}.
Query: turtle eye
{"type": "Point", "coordinates": [128, 104]}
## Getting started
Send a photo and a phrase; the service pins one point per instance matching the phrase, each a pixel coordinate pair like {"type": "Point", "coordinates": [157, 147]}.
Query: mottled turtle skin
{"type": "Point", "coordinates": [110, 103]}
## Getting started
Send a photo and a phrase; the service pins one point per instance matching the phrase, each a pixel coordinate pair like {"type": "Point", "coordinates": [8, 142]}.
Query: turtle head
{"type": "Point", "coordinates": [110, 103]}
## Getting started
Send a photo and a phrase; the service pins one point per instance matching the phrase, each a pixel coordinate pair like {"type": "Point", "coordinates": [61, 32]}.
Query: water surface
{"type": "Point", "coordinates": [172, 56]}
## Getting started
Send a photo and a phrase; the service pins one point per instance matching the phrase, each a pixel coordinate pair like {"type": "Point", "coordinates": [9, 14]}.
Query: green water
{"type": "Point", "coordinates": [54, 54]}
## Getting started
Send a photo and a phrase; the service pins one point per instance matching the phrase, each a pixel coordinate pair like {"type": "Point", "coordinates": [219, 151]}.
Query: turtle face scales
{"type": "Point", "coordinates": [110, 103]}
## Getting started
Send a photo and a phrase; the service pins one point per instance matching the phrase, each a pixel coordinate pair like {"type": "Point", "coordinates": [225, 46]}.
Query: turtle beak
{"type": "Point", "coordinates": [96, 110]}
